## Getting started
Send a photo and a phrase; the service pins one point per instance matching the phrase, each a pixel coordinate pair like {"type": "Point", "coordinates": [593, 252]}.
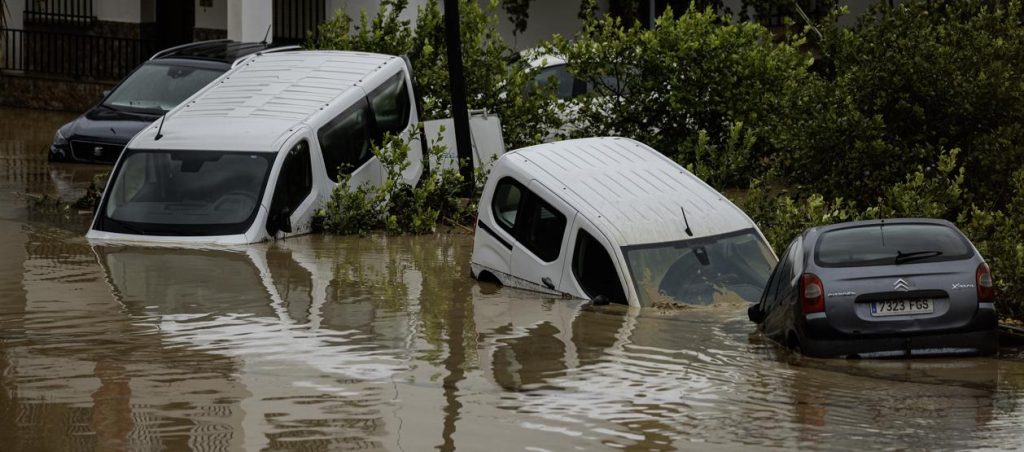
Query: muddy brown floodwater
{"type": "Point", "coordinates": [328, 343]}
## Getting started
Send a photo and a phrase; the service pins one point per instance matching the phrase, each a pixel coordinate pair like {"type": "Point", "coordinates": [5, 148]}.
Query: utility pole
{"type": "Point", "coordinates": [457, 88]}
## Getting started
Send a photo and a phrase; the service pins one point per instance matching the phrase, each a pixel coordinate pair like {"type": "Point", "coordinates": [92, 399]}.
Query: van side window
{"type": "Point", "coordinates": [539, 227]}
{"type": "Point", "coordinates": [294, 183]}
{"type": "Point", "coordinates": [508, 194]}
{"type": "Point", "coordinates": [594, 270]}
{"type": "Point", "coordinates": [345, 140]}
{"type": "Point", "coordinates": [533, 222]}
{"type": "Point", "coordinates": [391, 105]}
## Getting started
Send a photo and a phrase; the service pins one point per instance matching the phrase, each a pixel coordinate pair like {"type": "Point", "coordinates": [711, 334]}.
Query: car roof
{"type": "Point", "coordinates": [265, 97]}
{"type": "Point", "coordinates": [630, 191]}
{"type": "Point", "coordinates": [223, 50]}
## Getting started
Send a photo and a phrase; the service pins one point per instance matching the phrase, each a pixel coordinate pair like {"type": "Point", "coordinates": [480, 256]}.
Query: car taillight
{"type": "Point", "coordinates": [983, 281]}
{"type": "Point", "coordinates": [812, 294]}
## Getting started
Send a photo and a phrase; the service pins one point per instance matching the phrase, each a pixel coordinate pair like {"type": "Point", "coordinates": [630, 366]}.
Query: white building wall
{"type": "Point", "coordinates": [249, 20]}
{"type": "Point", "coordinates": [118, 10]}
{"type": "Point", "coordinates": [15, 15]}
{"type": "Point", "coordinates": [856, 8]}
{"type": "Point", "coordinates": [546, 17]}
{"type": "Point", "coordinates": [214, 17]}
{"type": "Point", "coordinates": [353, 8]}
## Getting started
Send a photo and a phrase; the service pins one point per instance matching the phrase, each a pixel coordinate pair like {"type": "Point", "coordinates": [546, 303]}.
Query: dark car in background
{"type": "Point", "coordinates": [880, 288]}
{"type": "Point", "coordinates": [153, 88]}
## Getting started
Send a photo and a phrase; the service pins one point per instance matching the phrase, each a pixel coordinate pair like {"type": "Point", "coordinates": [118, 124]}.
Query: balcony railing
{"type": "Point", "coordinates": [73, 55]}
{"type": "Point", "coordinates": [60, 11]}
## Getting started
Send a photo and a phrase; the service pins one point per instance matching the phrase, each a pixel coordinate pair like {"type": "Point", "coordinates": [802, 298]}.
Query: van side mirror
{"type": "Point", "coordinates": [755, 314]}
{"type": "Point", "coordinates": [600, 300]}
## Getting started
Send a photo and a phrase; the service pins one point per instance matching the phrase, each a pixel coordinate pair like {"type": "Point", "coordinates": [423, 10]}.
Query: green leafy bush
{"type": "Point", "coordinates": [907, 82]}
{"type": "Point", "coordinates": [999, 236]}
{"type": "Point", "coordinates": [395, 206]}
{"type": "Point", "coordinates": [705, 91]}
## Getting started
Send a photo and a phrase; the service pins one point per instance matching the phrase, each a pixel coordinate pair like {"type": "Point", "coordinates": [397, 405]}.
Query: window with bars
{"type": "Point", "coordinates": [294, 20]}
{"type": "Point", "coordinates": [60, 11]}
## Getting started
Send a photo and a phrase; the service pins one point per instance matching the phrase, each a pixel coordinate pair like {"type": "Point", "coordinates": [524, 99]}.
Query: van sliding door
{"type": "Point", "coordinates": [541, 228]}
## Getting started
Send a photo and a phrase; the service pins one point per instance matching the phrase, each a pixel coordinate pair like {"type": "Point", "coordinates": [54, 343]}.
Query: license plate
{"type": "Point", "coordinates": [901, 307]}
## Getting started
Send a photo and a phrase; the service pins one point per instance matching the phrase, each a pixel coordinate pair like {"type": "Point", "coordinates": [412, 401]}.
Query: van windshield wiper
{"type": "Point", "coordinates": [902, 257]}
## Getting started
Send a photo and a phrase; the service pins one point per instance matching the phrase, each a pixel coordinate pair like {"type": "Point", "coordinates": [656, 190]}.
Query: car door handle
{"type": "Point", "coordinates": [547, 283]}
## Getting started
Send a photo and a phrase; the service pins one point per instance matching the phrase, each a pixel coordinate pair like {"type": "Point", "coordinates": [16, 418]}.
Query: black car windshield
{"type": "Point", "coordinates": [158, 87]}
{"type": "Point", "coordinates": [185, 192]}
{"type": "Point", "coordinates": [890, 244]}
{"type": "Point", "coordinates": [724, 268]}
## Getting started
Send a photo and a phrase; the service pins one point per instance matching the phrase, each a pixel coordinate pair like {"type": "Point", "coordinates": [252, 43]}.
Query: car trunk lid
{"type": "Point", "coordinates": [904, 298]}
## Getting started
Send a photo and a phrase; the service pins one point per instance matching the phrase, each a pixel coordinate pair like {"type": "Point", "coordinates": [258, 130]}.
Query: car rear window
{"type": "Point", "coordinates": [889, 244]}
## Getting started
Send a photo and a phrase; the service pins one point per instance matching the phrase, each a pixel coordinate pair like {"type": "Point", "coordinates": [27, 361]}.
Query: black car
{"type": "Point", "coordinates": [153, 88]}
{"type": "Point", "coordinates": [898, 287]}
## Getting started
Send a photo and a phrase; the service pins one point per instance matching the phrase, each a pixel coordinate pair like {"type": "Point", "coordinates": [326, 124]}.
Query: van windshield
{"type": "Point", "coordinates": [185, 192]}
{"type": "Point", "coordinates": [732, 267]}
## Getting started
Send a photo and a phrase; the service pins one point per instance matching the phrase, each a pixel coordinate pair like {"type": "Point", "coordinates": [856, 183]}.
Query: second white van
{"type": "Point", "coordinates": [612, 220]}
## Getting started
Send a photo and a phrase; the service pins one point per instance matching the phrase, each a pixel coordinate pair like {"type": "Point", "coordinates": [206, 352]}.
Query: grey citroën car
{"type": "Point", "coordinates": [899, 287]}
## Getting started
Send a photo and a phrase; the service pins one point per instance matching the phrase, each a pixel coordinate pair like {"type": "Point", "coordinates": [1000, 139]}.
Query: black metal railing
{"type": "Point", "coordinates": [295, 19]}
{"type": "Point", "coordinates": [74, 55]}
{"type": "Point", "coordinates": [60, 11]}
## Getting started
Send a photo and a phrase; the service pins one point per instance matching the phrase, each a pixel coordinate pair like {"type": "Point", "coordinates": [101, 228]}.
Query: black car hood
{"type": "Point", "coordinates": [108, 125]}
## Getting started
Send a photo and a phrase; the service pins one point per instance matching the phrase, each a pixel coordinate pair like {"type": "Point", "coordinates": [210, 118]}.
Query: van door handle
{"type": "Point", "coordinates": [547, 283]}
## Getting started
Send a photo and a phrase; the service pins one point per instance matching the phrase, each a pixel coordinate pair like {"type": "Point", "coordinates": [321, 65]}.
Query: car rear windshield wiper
{"type": "Point", "coordinates": [902, 257]}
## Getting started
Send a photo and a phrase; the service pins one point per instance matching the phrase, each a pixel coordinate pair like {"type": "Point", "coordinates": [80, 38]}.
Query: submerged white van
{"type": "Point", "coordinates": [254, 154]}
{"type": "Point", "coordinates": [611, 219]}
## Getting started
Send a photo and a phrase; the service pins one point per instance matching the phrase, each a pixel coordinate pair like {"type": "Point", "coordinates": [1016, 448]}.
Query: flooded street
{"type": "Point", "coordinates": [336, 343]}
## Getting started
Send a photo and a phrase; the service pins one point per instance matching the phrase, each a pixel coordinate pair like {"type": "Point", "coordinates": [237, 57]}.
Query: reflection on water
{"type": "Point", "coordinates": [328, 343]}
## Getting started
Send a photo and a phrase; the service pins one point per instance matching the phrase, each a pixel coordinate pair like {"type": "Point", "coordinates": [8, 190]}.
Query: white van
{"type": "Point", "coordinates": [254, 154]}
{"type": "Point", "coordinates": [611, 219]}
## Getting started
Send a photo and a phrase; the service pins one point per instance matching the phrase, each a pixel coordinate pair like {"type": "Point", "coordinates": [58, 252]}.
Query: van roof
{"type": "Point", "coordinates": [630, 191]}
{"type": "Point", "coordinates": [266, 96]}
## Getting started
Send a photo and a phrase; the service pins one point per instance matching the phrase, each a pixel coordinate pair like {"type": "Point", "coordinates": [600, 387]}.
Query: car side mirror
{"type": "Point", "coordinates": [285, 220]}
{"type": "Point", "coordinates": [106, 93]}
{"type": "Point", "coordinates": [600, 300]}
{"type": "Point", "coordinates": [755, 314]}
